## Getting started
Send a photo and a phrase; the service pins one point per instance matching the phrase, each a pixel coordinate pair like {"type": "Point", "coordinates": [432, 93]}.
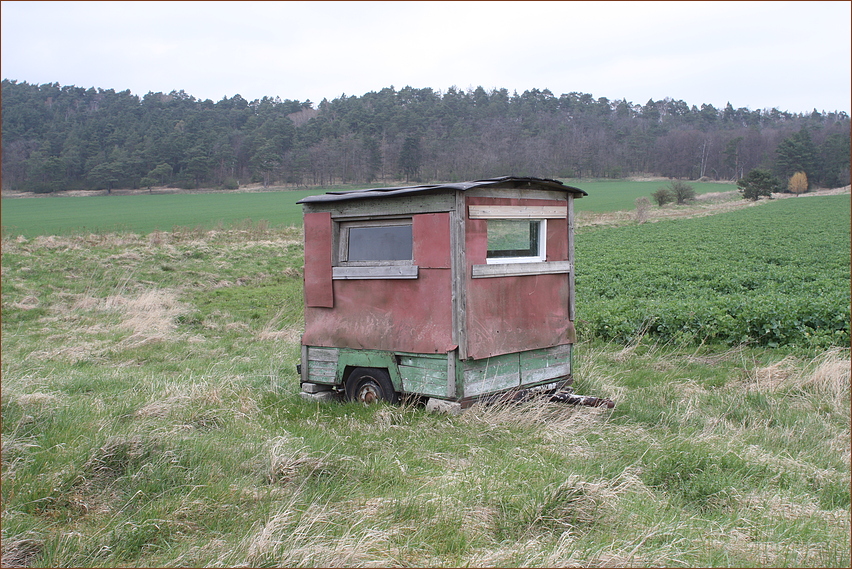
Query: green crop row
{"type": "Point", "coordinates": [775, 275]}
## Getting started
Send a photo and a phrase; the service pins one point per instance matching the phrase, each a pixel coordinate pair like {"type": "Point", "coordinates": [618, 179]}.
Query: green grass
{"type": "Point", "coordinates": [620, 195]}
{"type": "Point", "coordinates": [145, 213]}
{"type": "Point", "coordinates": [151, 417]}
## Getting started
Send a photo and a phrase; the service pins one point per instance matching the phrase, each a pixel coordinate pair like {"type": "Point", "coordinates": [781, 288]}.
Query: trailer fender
{"type": "Point", "coordinates": [351, 359]}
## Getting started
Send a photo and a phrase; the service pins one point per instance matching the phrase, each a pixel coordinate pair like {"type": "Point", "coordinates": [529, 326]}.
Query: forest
{"type": "Point", "coordinates": [57, 138]}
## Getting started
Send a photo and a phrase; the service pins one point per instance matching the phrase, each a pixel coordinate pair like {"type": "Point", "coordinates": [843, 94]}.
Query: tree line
{"type": "Point", "coordinates": [63, 138]}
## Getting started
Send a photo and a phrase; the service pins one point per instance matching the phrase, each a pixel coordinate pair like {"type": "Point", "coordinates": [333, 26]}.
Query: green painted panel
{"type": "Point", "coordinates": [491, 374]}
{"type": "Point", "coordinates": [370, 358]}
{"type": "Point", "coordinates": [426, 375]}
{"type": "Point", "coordinates": [545, 364]}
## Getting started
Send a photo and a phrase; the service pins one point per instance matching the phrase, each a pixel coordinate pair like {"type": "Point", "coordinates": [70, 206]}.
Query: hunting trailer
{"type": "Point", "coordinates": [451, 291]}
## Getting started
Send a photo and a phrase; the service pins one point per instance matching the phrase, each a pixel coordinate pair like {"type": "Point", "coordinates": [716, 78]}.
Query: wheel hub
{"type": "Point", "coordinates": [368, 394]}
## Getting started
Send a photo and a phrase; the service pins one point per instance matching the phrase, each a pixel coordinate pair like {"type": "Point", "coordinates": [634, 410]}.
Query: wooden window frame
{"type": "Point", "coordinates": [344, 269]}
{"type": "Point", "coordinates": [521, 266]}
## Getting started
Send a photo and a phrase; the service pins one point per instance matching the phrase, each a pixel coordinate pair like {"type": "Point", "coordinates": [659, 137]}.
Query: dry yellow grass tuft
{"type": "Point", "coordinates": [828, 374]}
{"type": "Point", "coordinates": [151, 316]}
{"type": "Point", "coordinates": [774, 377]}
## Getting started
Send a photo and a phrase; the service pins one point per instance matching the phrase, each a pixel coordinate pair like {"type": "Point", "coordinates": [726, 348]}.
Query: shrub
{"type": "Point", "coordinates": [682, 192]}
{"type": "Point", "coordinates": [798, 183]}
{"type": "Point", "coordinates": [662, 196]}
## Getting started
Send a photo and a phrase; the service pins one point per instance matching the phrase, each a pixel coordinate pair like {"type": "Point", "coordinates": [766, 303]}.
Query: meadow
{"type": "Point", "coordinates": [151, 416]}
{"type": "Point", "coordinates": [143, 213]}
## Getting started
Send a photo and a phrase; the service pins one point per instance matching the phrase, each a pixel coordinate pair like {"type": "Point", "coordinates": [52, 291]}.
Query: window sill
{"type": "Point", "coordinates": [520, 269]}
{"type": "Point", "coordinates": [375, 272]}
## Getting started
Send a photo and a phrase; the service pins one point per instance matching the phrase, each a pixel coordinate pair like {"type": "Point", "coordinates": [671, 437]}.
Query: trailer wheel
{"type": "Point", "coordinates": [369, 385]}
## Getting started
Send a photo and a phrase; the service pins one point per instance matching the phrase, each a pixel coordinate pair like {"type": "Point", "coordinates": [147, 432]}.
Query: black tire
{"type": "Point", "coordinates": [369, 385]}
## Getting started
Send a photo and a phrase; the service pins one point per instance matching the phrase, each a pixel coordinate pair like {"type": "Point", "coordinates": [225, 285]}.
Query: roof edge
{"type": "Point", "coordinates": [343, 195]}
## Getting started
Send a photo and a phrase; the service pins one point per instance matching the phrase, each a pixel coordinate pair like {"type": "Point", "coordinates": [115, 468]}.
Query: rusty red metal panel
{"type": "Point", "coordinates": [476, 242]}
{"type": "Point", "coordinates": [512, 314]}
{"type": "Point", "coordinates": [318, 281]}
{"type": "Point", "coordinates": [408, 315]}
{"type": "Point", "coordinates": [431, 232]}
{"type": "Point", "coordinates": [557, 239]}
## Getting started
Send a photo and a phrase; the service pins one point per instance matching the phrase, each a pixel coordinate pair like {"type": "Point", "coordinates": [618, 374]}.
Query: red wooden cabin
{"type": "Point", "coordinates": [449, 291]}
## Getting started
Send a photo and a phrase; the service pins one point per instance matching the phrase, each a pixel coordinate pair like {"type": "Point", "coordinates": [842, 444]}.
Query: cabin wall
{"type": "Point", "coordinates": [408, 315]}
{"type": "Point", "coordinates": [516, 313]}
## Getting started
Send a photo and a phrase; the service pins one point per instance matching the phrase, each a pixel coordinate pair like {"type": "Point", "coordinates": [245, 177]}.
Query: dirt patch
{"type": "Point", "coordinates": [815, 193]}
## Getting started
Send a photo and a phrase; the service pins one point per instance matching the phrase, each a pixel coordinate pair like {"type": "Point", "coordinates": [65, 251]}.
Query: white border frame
{"type": "Point", "coordinates": [542, 247]}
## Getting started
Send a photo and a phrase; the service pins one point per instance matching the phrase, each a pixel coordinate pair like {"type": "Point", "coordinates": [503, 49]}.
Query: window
{"type": "Point", "coordinates": [375, 249]}
{"type": "Point", "coordinates": [516, 240]}
{"type": "Point", "coordinates": [379, 243]}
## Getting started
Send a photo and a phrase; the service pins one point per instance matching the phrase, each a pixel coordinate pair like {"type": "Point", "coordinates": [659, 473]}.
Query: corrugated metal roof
{"type": "Point", "coordinates": [509, 181]}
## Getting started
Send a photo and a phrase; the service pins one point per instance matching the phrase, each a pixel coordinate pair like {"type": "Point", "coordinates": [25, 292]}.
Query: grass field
{"type": "Point", "coordinates": [620, 195]}
{"type": "Point", "coordinates": [151, 417]}
{"type": "Point", "coordinates": [144, 213]}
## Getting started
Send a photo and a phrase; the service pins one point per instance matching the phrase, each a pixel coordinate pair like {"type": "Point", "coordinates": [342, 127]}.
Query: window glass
{"type": "Point", "coordinates": [380, 243]}
{"type": "Point", "coordinates": [513, 238]}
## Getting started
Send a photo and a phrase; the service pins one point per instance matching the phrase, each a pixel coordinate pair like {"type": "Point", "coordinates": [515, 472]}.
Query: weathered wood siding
{"type": "Point", "coordinates": [321, 364]}
{"type": "Point", "coordinates": [521, 369]}
{"type": "Point", "coordinates": [411, 314]}
{"type": "Point", "coordinates": [424, 374]}
{"type": "Point", "coordinates": [516, 313]}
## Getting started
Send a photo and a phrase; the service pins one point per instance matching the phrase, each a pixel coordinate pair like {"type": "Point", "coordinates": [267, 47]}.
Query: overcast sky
{"type": "Point", "coordinates": [791, 55]}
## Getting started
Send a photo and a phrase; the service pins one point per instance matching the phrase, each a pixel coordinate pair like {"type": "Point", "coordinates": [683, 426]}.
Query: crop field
{"type": "Point", "coordinates": [774, 275]}
{"type": "Point", "coordinates": [151, 416]}
{"type": "Point", "coordinates": [144, 213]}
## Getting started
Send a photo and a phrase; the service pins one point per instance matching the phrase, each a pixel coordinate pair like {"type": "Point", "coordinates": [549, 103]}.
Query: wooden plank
{"type": "Point", "coordinates": [451, 375]}
{"type": "Point", "coordinates": [322, 369]}
{"type": "Point", "coordinates": [571, 258]}
{"type": "Point", "coordinates": [490, 375]}
{"type": "Point", "coordinates": [376, 272]}
{"type": "Point", "coordinates": [549, 373]}
{"type": "Point", "coordinates": [546, 364]}
{"type": "Point", "coordinates": [436, 362]}
{"type": "Point", "coordinates": [304, 361]}
{"type": "Point", "coordinates": [369, 208]}
{"type": "Point", "coordinates": [517, 193]}
{"type": "Point", "coordinates": [520, 269]}
{"type": "Point", "coordinates": [458, 245]}
{"type": "Point", "coordinates": [323, 354]}
{"type": "Point", "coordinates": [517, 211]}
{"type": "Point", "coordinates": [426, 374]}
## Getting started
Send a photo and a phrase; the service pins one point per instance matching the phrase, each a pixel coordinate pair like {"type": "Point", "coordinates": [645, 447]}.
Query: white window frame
{"type": "Point", "coordinates": [542, 246]}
